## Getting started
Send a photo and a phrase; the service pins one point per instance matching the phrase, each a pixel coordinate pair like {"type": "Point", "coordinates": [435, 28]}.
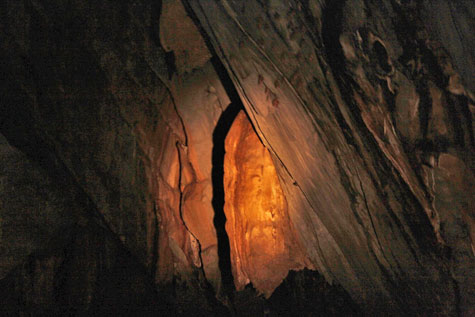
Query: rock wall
{"type": "Point", "coordinates": [113, 193]}
{"type": "Point", "coordinates": [261, 236]}
{"type": "Point", "coordinates": [356, 100]}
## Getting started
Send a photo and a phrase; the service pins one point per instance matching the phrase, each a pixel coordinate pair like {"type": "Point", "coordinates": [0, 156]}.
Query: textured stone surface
{"type": "Point", "coordinates": [56, 257]}
{"type": "Point", "coordinates": [263, 246]}
{"type": "Point", "coordinates": [83, 95]}
{"type": "Point", "coordinates": [112, 115]}
{"type": "Point", "coordinates": [33, 209]}
{"type": "Point", "coordinates": [325, 87]}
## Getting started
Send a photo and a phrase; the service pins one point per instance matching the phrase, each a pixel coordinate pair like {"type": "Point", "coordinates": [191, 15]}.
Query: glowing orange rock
{"type": "Point", "coordinates": [263, 247]}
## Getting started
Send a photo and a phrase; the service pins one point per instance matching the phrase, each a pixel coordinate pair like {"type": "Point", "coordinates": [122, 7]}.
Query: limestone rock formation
{"type": "Point", "coordinates": [237, 157]}
{"type": "Point", "coordinates": [261, 237]}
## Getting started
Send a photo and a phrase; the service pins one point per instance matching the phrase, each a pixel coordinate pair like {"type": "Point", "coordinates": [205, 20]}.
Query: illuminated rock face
{"type": "Point", "coordinates": [111, 112]}
{"type": "Point", "coordinates": [263, 248]}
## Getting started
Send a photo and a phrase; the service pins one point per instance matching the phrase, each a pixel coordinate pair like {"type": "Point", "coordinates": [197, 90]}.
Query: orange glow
{"type": "Point", "coordinates": [256, 211]}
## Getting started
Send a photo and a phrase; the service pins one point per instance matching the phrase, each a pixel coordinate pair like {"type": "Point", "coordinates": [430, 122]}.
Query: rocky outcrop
{"type": "Point", "coordinates": [354, 132]}
{"type": "Point", "coordinates": [124, 154]}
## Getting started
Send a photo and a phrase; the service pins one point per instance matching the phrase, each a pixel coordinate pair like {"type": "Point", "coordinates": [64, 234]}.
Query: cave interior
{"type": "Point", "coordinates": [237, 158]}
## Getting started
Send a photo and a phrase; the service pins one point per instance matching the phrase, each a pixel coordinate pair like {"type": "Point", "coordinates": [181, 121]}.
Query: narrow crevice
{"type": "Point", "coordinates": [217, 172]}
{"type": "Point", "coordinates": [226, 79]}
{"type": "Point", "coordinates": [156, 12]}
{"type": "Point", "coordinates": [171, 65]}
{"type": "Point", "coordinates": [180, 208]}
{"type": "Point", "coordinates": [460, 125]}
{"type": "Point", "coordinates": [381, 56]}
{"type": "Point", "coordinates": [154, 258]}
{"type": "Point", "coordinates": [204, 283]}
{"type": "Point", "coordinates": [425, 107]}
{"type": "Point", "coordinates": [219, 136]}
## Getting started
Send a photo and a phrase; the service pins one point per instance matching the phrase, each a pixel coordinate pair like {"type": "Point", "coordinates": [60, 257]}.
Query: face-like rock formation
{"type": "Point", "coordinates": [185, 156]}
